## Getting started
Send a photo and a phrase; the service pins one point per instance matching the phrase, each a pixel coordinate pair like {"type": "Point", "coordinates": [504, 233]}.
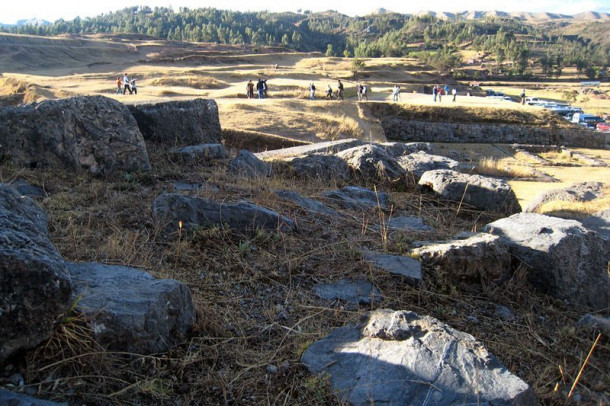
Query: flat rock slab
{"type": "Point", "coordinates": [406, 223]}
{"type": "Point", "coordinates": [310, 205]}
{"type": "Point", "coordinates": [92, 133]}
{"type": "Point", "coordinates": [9, 398]}
{"type": "Point", "coordinates": [35, 289]}
{"type": "Point", "coordinates": [401, 358]}
{"type": "Point", "coordinates": [577, 192]}
{"type": "Point", "coordinates": [407, 267]}
{"type": "Point", "coordinates": [328, 147]}
{"type": "Point", "coordinates": [195, 212]}
{"type": "Point", "coordinates": [563, 258]}
{"type": "Point", "coordinates": [130, 310]}
{"type": "Point", "coordinates": [352, 291]}
{"type": "Point", "coordinates": [249, 165]}
{"type": "Point", "coordinates": [183, 122]}
{"type": "Point", "coordinates": [481, 260]}
{"type": "Point", "coordinates": [201, 153]}
{"type": "Point", "coordinates": [358, 198]}
{"type": "Point", "coordinates": [482, 192]}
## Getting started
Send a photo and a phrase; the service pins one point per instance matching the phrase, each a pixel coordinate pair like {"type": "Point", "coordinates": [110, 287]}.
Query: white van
{"type": "Point", "coordinates": [586, 120]}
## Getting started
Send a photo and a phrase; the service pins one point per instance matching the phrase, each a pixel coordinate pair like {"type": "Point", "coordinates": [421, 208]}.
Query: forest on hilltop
{"type": "Point", "coordinates": [549, 46]}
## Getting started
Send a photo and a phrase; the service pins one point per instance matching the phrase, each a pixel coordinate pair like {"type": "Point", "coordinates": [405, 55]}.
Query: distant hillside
{"type": "Point", "coordinates": [28, 22]}
{"type": "Point", "coordinates": [547, 41]}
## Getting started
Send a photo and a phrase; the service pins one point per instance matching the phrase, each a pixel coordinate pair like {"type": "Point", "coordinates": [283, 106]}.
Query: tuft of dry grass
{"type": "Point", "coordinates": [493, 167]}
{"type": "Point", "coordinates": [193, 81]}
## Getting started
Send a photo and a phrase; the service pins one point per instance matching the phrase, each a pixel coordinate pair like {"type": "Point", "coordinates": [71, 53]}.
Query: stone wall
{"type": "Point", "coordinates": [398, 129]}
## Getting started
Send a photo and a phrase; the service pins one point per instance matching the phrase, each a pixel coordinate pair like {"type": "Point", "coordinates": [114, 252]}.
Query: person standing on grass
{"type": "Point", "coordinates": [446, 90]}
{"type": "Point", "coordinates": [329, 93]}
{"type": "Point", "coordinates": [260, 88]}
{"type": "Point", "coordinates": [523, 97]}
{"type": "Point", "coordinates": [365, 90]}
{"type": "Point", "coordinates": [119, 85]}
{"type": "Point", "coordinates": [396, 93]}
{"type": "Point", "coordinates": [134, 88]}
{"type": "Point", "coordinates": [250, 90]}
{"type": "Point", "coordinates": [339, 90]}
{"type": "Point", "coordinates": [435, 92]}
{"type": "Point", "coordinates": [439, 91]}
{"type": "Point", "coordinates": [126, 84]}
{"type": "Point", "coordinates": [359, 91]}
{"type": "Point", "coordinates": [454, 93]}
{"type": "Point", "coordinates": [312, 91]}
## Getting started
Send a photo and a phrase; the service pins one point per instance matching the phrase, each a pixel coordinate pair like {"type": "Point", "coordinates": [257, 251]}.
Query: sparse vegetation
{"type": "Point", "coordinates": [493, 167]}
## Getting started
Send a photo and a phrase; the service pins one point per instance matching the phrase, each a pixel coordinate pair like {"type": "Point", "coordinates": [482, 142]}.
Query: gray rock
{"type": "Point", "coordinates": [92, 133]}
{"type": "Point", "coordinates": [200, 153]}
{"type": "Point", "coordinates": [600, 223]}
{"type": "Point", "coordinates": [595, 323]}
{"type": "Point", "coordinates": [503, 313]}
{"type": "Point", "coordinates": [577, 192]}
{"type": "Point", "coordinates": [419, 162]}
{"type": "Point", "coordinates": [563, 258]}
{"type": "Point", "coordinates": [352, 291]}
{"type": "Point", "coordinates": [372, 162]}
{"type": "Point", "coordinates": [405, 223]}
{"type": "Point", "coordinates": [9, 398]}
{"type": "Point", "coordinates": [247, 164]}
{"type": "Point", "coordinates": [358, 198]}
{"type": "Point", "coordinates": [407, 267]}
{"type": "Point", "coordinates": [196, 212]}
{"type": "Point", "coordinates": [26, 189]}
{"type": "Point", "coordinates": [310, 205]}
{"type": "Point", "coordinates": [481, 260]}
{"type": "Point", "coordinates": [35, 290]}
{"type": "Point", "coordinates": [179, 123]}
{"type": "Point", "coordinates": [324, 167]}
{"type": "Point", "coordinates": [401, 358]}
{"type": "Point", "coordinates": [398, 149]}
{"type": "Point", "coordinates": [484, 193]}
{"type": "Point", "coordinates": [130, 310]}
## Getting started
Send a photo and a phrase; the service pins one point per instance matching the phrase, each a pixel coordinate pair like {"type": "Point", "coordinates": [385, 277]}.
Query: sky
{"type": "Point", "coordinates": [69, 9]}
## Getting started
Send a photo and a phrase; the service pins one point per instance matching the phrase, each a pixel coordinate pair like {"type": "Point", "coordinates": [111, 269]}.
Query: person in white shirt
{"type": "Point", "coordinates": [126, 85]}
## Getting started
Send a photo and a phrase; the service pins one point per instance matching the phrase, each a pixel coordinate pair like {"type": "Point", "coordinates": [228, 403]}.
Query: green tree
{"type": "Point", "coordinates": [329, 50]}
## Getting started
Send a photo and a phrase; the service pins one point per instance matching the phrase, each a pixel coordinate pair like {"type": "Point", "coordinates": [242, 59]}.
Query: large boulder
{"type": "Point", "coordinates": [480, 260]}
{"type": "Point", "coordinates": [35, 290]}
{"type": "Point", "coordinates": [482, 192]}
{"type": "Point", "coordinates": [130, 310]}
{"type": "Point", "coordinates": [179, 123]}
{"type": "Point", "coordinates": [372, 162]}
{"type": "Point", "coordinates": [196, 212]}
{"type": "Point", "coordinates": [563, 258]}
{"type": "Point", "coordinates": [600, 223]}
{"type": "Point", "coordinates": [577, 192]}
{"type": "Point", "coordinates": [401, 358]}
{"type": "Point", "coordinates": [323, 167]}
{"type": "Point", "coordinates": [93, 133]}
{"type": "Point", "coordinates": [419, 162]}
{"type": "Point", "coordinates": [249, 165]}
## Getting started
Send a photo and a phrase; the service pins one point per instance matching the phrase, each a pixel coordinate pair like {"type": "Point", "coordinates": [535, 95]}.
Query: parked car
{"type": "Point", "coordinates": [586, 120]}
{"type": "Point", "coordinates": [603, 127]}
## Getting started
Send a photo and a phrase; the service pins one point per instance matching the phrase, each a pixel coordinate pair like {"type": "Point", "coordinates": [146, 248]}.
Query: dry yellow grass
{"type": "Point", "coordinates": [493, 167]}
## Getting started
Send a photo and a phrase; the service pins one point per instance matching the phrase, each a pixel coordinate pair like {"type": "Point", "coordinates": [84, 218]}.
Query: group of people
{"type": "Point", "coordinates": [339, 93]}
{"type": "Point", "coordinates": [439, 91]}
{"type": "Point", "coordinates": [261, 88]}
{"type": "Point", "coordinates": [125, 85]}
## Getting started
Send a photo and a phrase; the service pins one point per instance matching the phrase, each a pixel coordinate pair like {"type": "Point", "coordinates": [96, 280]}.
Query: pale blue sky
{"type": "Point", "coordinates": [69, 9]}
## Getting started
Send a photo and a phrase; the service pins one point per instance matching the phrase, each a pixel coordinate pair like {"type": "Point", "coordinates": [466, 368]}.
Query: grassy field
{"type": "Point", "coordinates": [254, 293]}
